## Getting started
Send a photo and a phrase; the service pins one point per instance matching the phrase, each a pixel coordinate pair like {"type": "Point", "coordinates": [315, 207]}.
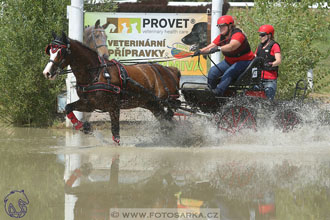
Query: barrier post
{"type": "Point", "coordinates": [215, 14]}
{"type": "Point", "coordinates": [75, 14]}
{"type": "Point", "coordinates": [310, 79]}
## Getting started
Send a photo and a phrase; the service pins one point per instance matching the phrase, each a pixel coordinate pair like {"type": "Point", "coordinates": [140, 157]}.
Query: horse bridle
{"type": "Point", "coordinates": [55, 46]}
{"type": "Point", "coordinates": [94, 39]}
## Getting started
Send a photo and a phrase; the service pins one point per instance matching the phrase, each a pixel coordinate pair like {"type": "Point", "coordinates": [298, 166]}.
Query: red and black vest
{"type": "Point", "coordinates": [265, 53]}
{"type": "Point", "coordinates": [241, 50]}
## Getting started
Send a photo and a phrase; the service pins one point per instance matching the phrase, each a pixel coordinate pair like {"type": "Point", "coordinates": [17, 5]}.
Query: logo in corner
{"type": "Point", "coordinates": [125, 25]}
{"type": "Point", "coordinates": [15, 204]}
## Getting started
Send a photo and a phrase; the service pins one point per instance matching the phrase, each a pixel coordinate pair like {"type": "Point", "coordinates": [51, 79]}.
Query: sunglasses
{"type": "Point", "coordinates": [221, 25]}
{"type": "Point", "coordinates": [262, 34]}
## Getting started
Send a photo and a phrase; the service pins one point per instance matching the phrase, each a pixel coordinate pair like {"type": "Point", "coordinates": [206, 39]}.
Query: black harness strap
{"type": "Point", "coordinates": [122, 72]}
{"type": "Point", "coordinates": [132, 81]}
{"type": "Point", "coordinates": [108, 87]}
{"type": "Point", "coordinates": [161, 79]}
{"type": "Point", "coordinates": [104, 66]}
{"type": "Point", "coordinates": [99, 86]}
{"type": "Point", "coordinates": [169, 73]}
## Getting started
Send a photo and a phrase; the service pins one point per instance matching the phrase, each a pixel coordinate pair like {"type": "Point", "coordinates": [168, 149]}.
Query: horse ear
{"type": "Point", "coordinates": [105, 25]}
{"type": "Point", "coordinates": [64, 37]}
{"type": "Point", "coordinates": [97, 23]}
{"type": "Point", "coordinates": [54, 35]}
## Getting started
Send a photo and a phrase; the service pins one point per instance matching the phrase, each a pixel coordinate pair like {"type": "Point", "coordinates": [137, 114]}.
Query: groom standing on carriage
{"type": "Point", "coordinates": [237, 52]}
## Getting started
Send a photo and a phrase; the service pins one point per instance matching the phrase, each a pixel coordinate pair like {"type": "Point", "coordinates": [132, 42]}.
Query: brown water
{"type": "Point", "coordinates": [253, 175]}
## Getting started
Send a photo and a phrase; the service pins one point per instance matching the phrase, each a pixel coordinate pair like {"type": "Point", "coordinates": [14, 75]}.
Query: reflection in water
{"type": "Point", "coordinates": [242, 178]}
{"type": "Point", "coordinates": [241, 190]}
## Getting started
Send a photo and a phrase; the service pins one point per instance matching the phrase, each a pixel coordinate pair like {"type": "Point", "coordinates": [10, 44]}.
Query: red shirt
{"type": "Point", "coordinates": [240, 37]}
{"type": "Point", "coordinates": [270, 74]}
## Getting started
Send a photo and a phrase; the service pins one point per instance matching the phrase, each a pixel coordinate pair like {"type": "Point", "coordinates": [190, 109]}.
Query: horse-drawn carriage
{"type": "Point", "coordinates": [243, 103]}
{"type": "Point", "coordinates": [109, 86]}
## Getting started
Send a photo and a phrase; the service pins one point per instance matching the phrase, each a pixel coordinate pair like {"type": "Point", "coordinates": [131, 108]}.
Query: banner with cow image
{"type": "Point", "coordinates": [156, 37]}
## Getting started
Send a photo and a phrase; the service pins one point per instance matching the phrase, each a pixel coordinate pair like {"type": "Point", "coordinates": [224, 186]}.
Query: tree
{"type": "Point", "coordinates": [297, 28]}
{"type": "Point", "coordinates": [100, 6]}
{"type": "Point", "coordinates": [26, 97]}
{"type": "Point", "coordinates": [26, 25]}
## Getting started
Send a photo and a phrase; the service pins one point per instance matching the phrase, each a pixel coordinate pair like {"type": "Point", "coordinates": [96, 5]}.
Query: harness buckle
{"type": "Point", "coordinates": [107, 75]}
{"type": "Point", "coordinates": [116, 89]}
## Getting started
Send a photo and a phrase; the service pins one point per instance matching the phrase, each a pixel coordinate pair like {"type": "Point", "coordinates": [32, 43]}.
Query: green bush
{"type": "Point", "coordinates": [26, 96]}
{"type": "Point", "coordinates": [95, 6]}
{"type": "Point", "coordinates": [297, 28]}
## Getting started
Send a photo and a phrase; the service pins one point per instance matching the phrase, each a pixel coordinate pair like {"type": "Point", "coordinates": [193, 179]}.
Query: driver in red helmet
{"type": "Point", "coordinates": [271, 52]}
{"type": "Point", "coordinates": [237, 52]}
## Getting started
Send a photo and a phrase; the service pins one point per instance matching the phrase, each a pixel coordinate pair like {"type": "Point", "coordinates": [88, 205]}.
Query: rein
{"type": "Point", "coordinates": [64, 72]}
{"type": "Point", "coordinates": [151, 60]}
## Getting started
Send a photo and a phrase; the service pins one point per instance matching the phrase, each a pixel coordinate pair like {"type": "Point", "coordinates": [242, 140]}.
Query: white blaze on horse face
{"type": "Point", "coordinates": [49, 65]}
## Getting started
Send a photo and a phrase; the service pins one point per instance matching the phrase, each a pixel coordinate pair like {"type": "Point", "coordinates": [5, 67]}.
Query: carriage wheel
{"type": "Point", "coordinates": [287, 120]}
{"type": "Point", "coordinates": [178, 116]}
{"type": "Point", "coordinates": [235, 118]}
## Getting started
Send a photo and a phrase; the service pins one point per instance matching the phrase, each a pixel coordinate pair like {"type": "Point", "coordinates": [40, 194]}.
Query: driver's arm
{"type": "Point", "coordinates": [232, 46]}
{"type": "Point", "coordinates": [278, 60]}
{"type": "Point", "coordinates": [207, 49]}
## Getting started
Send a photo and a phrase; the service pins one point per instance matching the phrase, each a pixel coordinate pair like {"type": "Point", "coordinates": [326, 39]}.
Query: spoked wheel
{"type": "Point", "coordinates": [287, 120]}
{"type": "Point", "coordinates": [179, 116]}
{"type": "Point", "coordinates": [235, 118]}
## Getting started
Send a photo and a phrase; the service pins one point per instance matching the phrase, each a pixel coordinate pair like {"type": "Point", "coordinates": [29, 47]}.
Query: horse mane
{"type": "Point", "coordinates": [85, 46]}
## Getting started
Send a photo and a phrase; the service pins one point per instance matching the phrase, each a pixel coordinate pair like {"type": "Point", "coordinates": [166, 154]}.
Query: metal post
{"type": "Point", "coordinates": [310, 78]}
{"type": "Point", "coordinates": [216, 13]}
{"type": "Point", "coordinates": [75, 14]}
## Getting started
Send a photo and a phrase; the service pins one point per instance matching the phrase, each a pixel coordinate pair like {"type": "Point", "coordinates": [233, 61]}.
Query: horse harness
{"type": "Point", "coordinates": [106, 87]}
{"type": "Point", "coordinates": [124, 79]}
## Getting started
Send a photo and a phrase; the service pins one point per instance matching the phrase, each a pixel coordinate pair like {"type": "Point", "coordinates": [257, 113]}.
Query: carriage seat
{"type": "Point", "coordinates": [246, 78]}
{"type": "Point", "coordinates": [194, 85]}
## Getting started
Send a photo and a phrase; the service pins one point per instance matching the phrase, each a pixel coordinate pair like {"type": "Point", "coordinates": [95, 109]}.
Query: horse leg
{"type": "Point", "coordinates": [114, 116]}
{"type": "Point", "coordinates": [159, 112]}
{"type": "Point", "coordinates": [156, 110]}
{"type": "Point", "coordinates": [82, 106]}
{"type": "Point", "coordinates": [169, 114]}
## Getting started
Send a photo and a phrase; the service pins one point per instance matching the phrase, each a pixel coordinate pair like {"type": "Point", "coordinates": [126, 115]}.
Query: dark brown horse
{"type": "Point", "coordinates": [109, 86]}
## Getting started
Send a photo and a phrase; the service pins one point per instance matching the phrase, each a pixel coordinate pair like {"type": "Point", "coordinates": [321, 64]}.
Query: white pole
{"type": "Point", "coordinates": [310, 78]}
{"type": "Point", "coordinates": [216, 13]}
{"type": "Point", "coordinates": [72, 162]}
{"type": "Point", "coordinates": [75, 14]}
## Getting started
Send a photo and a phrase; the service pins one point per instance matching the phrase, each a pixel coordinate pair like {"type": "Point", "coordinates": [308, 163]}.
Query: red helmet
{"type": "Point", "coordinates": [268, 29]}
{"type": "Point", "coordinates": [226, 19]}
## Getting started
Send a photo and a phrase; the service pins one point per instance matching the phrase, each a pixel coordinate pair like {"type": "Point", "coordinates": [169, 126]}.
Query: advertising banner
{"type": "Point", "coordinates": [164, 37]}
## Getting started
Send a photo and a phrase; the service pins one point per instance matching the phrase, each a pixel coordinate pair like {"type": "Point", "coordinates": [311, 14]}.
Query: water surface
{"type": "Point", "coordinates": [253, 175]}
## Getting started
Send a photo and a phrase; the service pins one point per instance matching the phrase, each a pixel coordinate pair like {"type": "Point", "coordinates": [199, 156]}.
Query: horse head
{"type": "Point", "coordinates": [58, 50]}
{"type": "Point", "coordinates": [95, 37]}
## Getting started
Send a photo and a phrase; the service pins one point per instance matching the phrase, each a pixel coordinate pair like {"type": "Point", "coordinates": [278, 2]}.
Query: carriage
{"type": "Point", "coordinates": [244, 104]}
